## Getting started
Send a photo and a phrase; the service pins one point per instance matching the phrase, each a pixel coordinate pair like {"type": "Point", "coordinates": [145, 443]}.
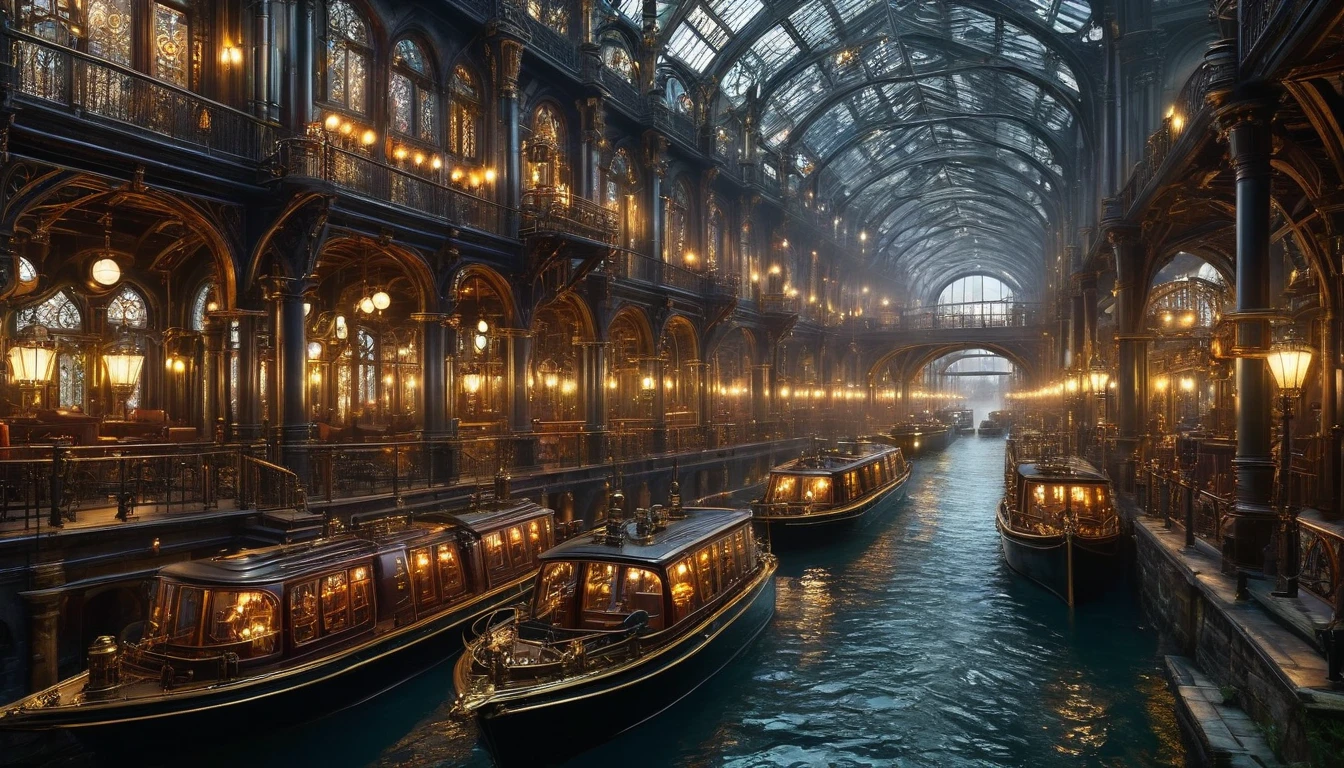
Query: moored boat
{"type": "Point", "coordinates": [829, 489]}
{"type": "Point", "coordinates": [622, 625]}
{"type": "Point", "coordinates": [1059, 527]}
{"type": "Point", "coordinates": [991, 428]}
{"type": "Point", "coordinates": [286, 633]}
{"type": "Point", "coordinates": [920, 437]}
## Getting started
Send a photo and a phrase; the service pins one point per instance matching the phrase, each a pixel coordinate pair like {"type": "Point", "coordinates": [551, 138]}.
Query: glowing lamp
{"type": "Point", "coordinates": [472, 382]}
{"type": "Point", "coordinates": [105, 271]}
{"type": "Point", "coordinates": [381, 300]}
{"type": "Point", "coordinates": [366, 305]}
{"type": "Point", "coordinates": [32, 363]}
{"type": "Point", "coordinates": [480, 341]}
{"type": "Point", "coordinates": [482, 326]}
{"type": "Point", "coordinates": [1288, 362]}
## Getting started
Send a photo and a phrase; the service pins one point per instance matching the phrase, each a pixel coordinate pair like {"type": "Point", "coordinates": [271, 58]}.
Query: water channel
{"type": "Point", "coordinates": [909, 644]}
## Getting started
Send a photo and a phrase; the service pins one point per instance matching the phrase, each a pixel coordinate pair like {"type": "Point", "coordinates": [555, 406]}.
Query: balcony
{"type": "Point", "coordinates": [364, 177]}
{"type": "Point", "coordinates": [51, 77]}
{"type": "Point", "coordinates": [552, 212]}
{"type": "Point", "coordinates": [636, 267]}
{"type": "Point", "coordinates": [779, 304]}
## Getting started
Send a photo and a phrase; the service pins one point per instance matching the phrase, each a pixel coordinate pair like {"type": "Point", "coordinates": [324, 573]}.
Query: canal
{"type": "Point", "coordinates": [909, 644]}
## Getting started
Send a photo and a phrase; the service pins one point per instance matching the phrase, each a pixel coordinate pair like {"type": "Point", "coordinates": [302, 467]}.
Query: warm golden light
{"type": "Point", "coordinates": [105, 271]}
{"type": "Point", "coordinates": [1288, 362]}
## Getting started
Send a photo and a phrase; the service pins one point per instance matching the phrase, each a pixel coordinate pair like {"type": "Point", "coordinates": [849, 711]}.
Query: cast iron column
{"type": "Point", "coordinates": [593, 385]}
{"type": "Point", "coordinates": [517, 358]}
{"type": "Point", "coordinates": [291, 361]}
{"type": "Point", "coordinates": [1246, 126]}
{"type": "Point", "coordinates": [433, 397]}
{"type": "Point", "coordinates": [249, 377]}
{"type": "Point", "coordinates": [1132, 347]}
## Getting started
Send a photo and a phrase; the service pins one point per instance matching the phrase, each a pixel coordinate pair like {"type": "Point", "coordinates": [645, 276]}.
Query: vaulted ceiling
{"type": "Point", "coordinates": [950, 131]}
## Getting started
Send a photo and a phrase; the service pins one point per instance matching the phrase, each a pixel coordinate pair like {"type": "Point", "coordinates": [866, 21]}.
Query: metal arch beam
{"type": "Point", "coordinates": [975, 198]}
{"type": "Point", "coordinates": [839, 95]}
{"type": "Point", "coordinates": [983, 192]}
{"type": "Point", "coordinates": [944, 221]}
{"type": "Point", "coordinates": [939, 246]}
{"type": "Point", "coordinates": [1056, 149]}
{"type": "Point", "coordinates": [989, 163]}
{"type": "Point", "coordinates": [1010, 280]}
{"type": "Point", "coordinates": [744, 39]}
{"type": "Point", "coordinates": [944, 155]}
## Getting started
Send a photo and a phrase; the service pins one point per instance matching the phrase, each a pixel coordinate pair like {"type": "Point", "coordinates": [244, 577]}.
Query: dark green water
{"type": "Point", "coordinates": [911, 644]}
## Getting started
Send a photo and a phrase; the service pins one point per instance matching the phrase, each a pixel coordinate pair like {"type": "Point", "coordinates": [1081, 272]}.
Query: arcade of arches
{"type": "Point", "coordinates": [377, 252]}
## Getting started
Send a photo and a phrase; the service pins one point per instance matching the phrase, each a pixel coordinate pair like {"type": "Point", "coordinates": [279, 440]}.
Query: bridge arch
{"type": "Point", "coordinates": [911, 358]}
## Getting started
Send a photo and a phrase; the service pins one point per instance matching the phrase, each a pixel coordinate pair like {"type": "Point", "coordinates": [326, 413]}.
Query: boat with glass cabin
{"type": "Point", "coordinates": [1059, 527]}
{"type": "Point", "coordinates": [622, 625]}
{"type": "Point", "coordinates": [921, 436]}
{"type": "Point", "coordinates": [286, 633]}
{"type": "Point", "coordinates": [829, 489]}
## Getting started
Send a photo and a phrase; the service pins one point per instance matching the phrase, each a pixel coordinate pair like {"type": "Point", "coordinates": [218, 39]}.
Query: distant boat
{"type": "Point", "coordinates": [916, 438]}
{"type": "Point", "coordinates": [622, 625]}
{"type": "Point", "coordinates": [991, 428]}
{"type": "Point", "coordinates": [1059, 527]}
{"type": "Point", "coordinates": [829, 489]}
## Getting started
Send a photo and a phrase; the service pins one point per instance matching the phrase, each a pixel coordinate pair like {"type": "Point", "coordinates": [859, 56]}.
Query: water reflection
{"type": "Point", "coordinates": [908, 644]}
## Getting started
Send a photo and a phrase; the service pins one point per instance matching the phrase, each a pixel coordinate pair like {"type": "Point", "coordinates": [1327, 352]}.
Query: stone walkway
{"type": "Point", "coordinates": [1227, 736]}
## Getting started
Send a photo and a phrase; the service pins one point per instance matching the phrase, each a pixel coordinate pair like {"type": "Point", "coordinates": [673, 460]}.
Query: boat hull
{"type": "Point", "coordinates": [282, 698]}
{"type": "Point", "coordinates": [914, 443]}
{"type": "Point", "coordinates": [587, 714]}
{"type": "Point", "coordinates": [1045, 560]}
{"type": "Point", "coordinates": [795, 530]}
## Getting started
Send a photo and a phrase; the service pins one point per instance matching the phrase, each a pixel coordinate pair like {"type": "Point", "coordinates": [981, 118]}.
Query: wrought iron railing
{"type": "Point", "coordinates": [557, 47]}
{"type": "Point", "coordinates": [346, 470]}
{"type": "Point", "coordinates": [630, 265]}
{"type": "Point", "coordinates": [779, 304]}
{"type": "Point", "coordinates": [318, 159]}
{"type": "Point", "coordinates": [49, 75]}
{"type": "Point", "coordinates": [972, 314]}
{"type": "Point", "coordinates": [554, 212]}
{"type": "Point", "coordinates": [266, 486]}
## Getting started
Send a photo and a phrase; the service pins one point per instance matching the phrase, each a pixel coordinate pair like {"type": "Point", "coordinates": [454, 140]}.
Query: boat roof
{"type": "Point", "coordinates": [681, 536]}
{"type": "Point", "coordinates": [1064, 470]}
{"type": "Point", "coordinates": [826, 462]}
{"type": "Point", "coordinates": [491, 516]}
{"type": "Point", "coordinates": [270, 564]}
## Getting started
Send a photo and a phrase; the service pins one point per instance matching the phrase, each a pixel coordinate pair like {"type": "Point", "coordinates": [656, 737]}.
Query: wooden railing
{"type": "Point", "coordinates": [318, 159]}
{"type": "Point", "coordinates": [267, 486]}
{"type": "Point", "coordinates": [53, 76]}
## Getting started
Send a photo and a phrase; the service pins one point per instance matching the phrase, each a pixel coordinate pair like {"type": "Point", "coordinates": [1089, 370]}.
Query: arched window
{"type": "Point", "coordinates": [552, 13]}
{"type": "Point", "coordinates": [746, 250]}
{"type": "Point", "coordinates": [366, 371]}
{"type": "Point", "coordinates": [204, 301]}
{"type": "Point", "coordinates": [171, 44]}
{"type": "Point", "coordinates": [346, 79]}
{"type": "Point", "coordinates": [412, 100]}
{"type": "Point", "coordinates": [980, 296]}
{"type": "Point", "coordinates": [618, 60]}
{"type": "Point", "coordinates": [57, 313]}
{"type": "Point", "coordinates": [619, 195]}
{"type": "Point", "coordinates": [110, 30]}
{"type": "Point", "coordinates": [464, 124]}
{"type": "Point", "coordinates": [545, 150]}
{"type": "Point", "coordinates": [678, 99]}
{"type": "Point", "coordinates": [128, 309]}
{"type": "Point", "coordinates": [678, 248]}
{"type": "Point", "coordinates": [716, 244]}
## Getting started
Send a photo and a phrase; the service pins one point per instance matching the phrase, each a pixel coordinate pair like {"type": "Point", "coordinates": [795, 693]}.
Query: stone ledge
{"type": "Point", "coordinates": [1226, 735]}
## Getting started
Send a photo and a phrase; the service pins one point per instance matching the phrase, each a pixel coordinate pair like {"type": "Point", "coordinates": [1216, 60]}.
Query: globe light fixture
{"type": "Point", "coordinates": [381, 300]}
{"type": "Point", "coordinates": [366, 305]}
{"type": "Point", "coordinates": [105, 272]}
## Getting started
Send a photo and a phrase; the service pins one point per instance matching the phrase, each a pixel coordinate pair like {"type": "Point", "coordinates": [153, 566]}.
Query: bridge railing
{"type": "Point", "coordinates": [971, 314]}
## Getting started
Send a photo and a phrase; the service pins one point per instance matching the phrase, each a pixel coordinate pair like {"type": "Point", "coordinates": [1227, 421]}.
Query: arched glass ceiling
{"type": "Point", "coordinates": [918, 118]}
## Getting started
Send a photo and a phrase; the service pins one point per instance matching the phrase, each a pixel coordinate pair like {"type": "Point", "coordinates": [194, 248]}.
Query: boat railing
{"type": "Point", "coordinates": [514, 650]}
{"type": "Point", "coordinates": [782, 508]}
{"type": "Point", "coordinates": [172, 669]}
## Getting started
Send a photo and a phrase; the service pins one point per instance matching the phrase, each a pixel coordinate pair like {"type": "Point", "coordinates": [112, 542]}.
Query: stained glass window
{"type": "Point", "coordinates": [412, 100]}
{"type": "Point", "coordinates": [347, 58]}
{"type": "Point", "coordinates": [57, 313]}
{"type": "Point", "coordinates": [200, 304]}
{"type": "Point", "coordinates": [552, 13]}
{"type": "Point", "coordinates": [366, 373]}
{"type": "Point", "coordinates": [128, 309]}
{"type": "Point", "coordinates": [678, 98]}
{"type": "Point", "coordinates": [110, 30]}
{"type": "Point", "coordinates": [464, 125]}
{"type": "Point", "coordinates": [618, 60]}
{"type": "Point", "coordinates": [618, 194]}
{"type": "Point", "coordinates": [27, 272]}
{"type": "Point", "coordinates": [172, 51]}
{"type": "Point", "coordinates": [70, 382]}
{"type": "Point", "coordinates": [678, 224]}
{"type": "Point", "coordinates": [54, 20]}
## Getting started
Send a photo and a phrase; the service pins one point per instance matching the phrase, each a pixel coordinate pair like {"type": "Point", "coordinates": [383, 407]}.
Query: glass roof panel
{"type": "Point", "coordinates": [814, 24]}
{"type": "Point", "coordinates": [736, 13]}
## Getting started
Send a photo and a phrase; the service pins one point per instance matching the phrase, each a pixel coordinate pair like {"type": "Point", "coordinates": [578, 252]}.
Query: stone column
{"type": "Point", "coordinates": [303, 110]}
{"type": "Point", "coordinates": [656, 150]}
{"type": "Point", "coordinates": [760, 395]}
{"type": "Point", "coordinates": [593, 386]}
{"type": "Point", "coordinates": [215, 393]}
{"type": "Point", "coordinates": [291, 362]}
{"type": "Point", "coordinates": [1246, 127]}
{"type": "Point", "coordinates": [508, 48]}
{"type": "Point", "coordinates": [659, 405]}
{"type": "Point", "coordinates": [594, 143]}
{"type": "Point", "coordinates": [1132, 347]}
{"type": "Point", "coordinates": [433, 397]}
{"type": "Point", "coordinates": [263, 93]}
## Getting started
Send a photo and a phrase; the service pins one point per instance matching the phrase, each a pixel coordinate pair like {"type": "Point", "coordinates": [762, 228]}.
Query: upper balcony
{"type": "Point", "coordinates": [315, 159]}
{"type": "Point", "coordinates": [558, 212]}
{"type": "Point", "coordinates": [71, 89]}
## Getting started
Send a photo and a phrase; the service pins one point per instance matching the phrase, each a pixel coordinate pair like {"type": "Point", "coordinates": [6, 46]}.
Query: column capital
{"type": "Point", "coordinates": [510, 34]}
{"type": "Point", "coordinates": [280, 287]}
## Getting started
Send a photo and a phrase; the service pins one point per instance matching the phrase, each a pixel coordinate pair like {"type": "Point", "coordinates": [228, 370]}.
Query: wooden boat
{"type": "Point", "coordinates": [1059, 527]}
{"type": "Point", "coordinates": [287, 633]}
{"type": "Point", "coordinates": [622, 625]}
{"type": "Point", "coordinates": [920, 437]}
{"type": "Point", "coordinates": [830, 489]}
{"type": "Point", "coordinates": [962, 420]}
{"type": "Point", "coordinates": [991, 428]}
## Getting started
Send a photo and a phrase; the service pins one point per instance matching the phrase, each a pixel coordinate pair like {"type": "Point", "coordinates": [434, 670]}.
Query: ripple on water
{"type": "Point", "coordinates": [909, 645]}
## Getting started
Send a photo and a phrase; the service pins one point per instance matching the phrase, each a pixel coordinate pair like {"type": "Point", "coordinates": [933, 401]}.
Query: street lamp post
{"type": "Point", "coordinates": [1288, 361]}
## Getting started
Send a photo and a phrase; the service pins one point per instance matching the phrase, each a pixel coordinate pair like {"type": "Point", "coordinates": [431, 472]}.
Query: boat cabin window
{"type": "Point", "coordinates": [684, 597]}
{"type": "Point", "coordinates": [422, 577]}
{"type": "Point", "coordinates": [706, 571]}
{"type": "Point", "coordinates": [245, 622]}
{"type": "Point", "coordinates": [512, 550]}
{"type": "Point", "coordinates": [853, 486]}
{"type": "Point", "coordinates": [451, 580]}
{"type": "Point", "coordinates": [554, 598]}
{"type": "Point", "coordinates": [1049, 503]}
{"type": "Point", "coordinates": [330, 604]}
{"type": "Point", "coordinates": [799, 489]}
{"type": "Point", "coordinates": [612, 592]}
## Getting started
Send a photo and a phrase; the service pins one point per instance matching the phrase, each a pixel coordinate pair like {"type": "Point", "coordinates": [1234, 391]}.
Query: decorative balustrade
{"type": "Point", "coordinates": [974, 314]}
{"type": "Point", "coordinates": [630, 265]}
{"type": "Point", "coordinates": [266, 486]}
{"type": "Point", "coordinates": [552, 212]}
{"type": "Point", "coordinates": [48, 75]}
{"type": "Point", "coordinates": [346, 470]}
{"type": "Point", "coordinates": [674, 123]}
{"type": "Point", "coordinates": [560, 49]}
{"type": "Point", "coordinates": [1260, 18]}
{"type": "Point", "coordinates": [370, 179]}
{"type": "Point", "coordinates": [779, 304]}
